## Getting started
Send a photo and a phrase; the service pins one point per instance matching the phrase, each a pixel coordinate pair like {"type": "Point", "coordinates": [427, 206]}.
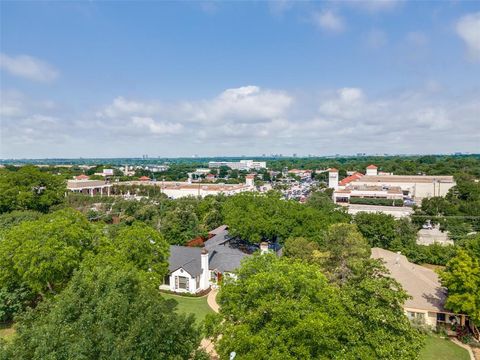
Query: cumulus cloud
{"type": "Point", "coordinates": [468, 28]}
{"type": "Point", "coordinates": [157, 128]}
{"type": "Point", "coordinates": [248, 120]}
{"type": "Point", "coordinates": [28, 67]}
{"type": "Point", "coordinates": [329, 21]}
{"type": "Point", "coordinates": [247, 104]}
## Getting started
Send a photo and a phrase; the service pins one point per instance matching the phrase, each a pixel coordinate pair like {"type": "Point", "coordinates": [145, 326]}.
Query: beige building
{"type": "Point", "coordinates": [175, 190]}
{"type": "Point", "coordinates": [416, 187]}
{"type": "Point", "coordinates": [89, 187]}
{"type": "Point", "coordinates": [423, 285]}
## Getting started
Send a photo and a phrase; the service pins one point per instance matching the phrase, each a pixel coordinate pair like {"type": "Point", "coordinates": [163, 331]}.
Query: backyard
{"type": "Point", "coordinates": [437, 348]}
{"type": "Point", "coordinates": [191, 305]}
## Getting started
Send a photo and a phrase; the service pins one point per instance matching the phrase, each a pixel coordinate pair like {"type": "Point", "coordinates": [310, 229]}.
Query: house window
{"type": "Point", "coordinates": [182, 282]}
{"type": "Point", "coordinates": [415, 316]}
{"type": "Point", "coordinates": [166, 280]}
{"type": "Point", "coordinates": [441, 317]}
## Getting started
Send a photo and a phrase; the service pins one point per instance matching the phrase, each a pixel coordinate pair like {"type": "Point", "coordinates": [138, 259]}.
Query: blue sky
{"type": "Point", "coordinates": [118, 78]}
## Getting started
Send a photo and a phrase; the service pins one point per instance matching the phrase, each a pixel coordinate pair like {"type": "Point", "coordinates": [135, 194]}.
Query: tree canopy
{"type": "Point", "coordinates": [106, 312]}
{"type": "Point", "coordinates": [30, 189]}
{"type": "Point", "coordinates": [286, 309]}
{"type": "Point", "coordinates": [462, 279]}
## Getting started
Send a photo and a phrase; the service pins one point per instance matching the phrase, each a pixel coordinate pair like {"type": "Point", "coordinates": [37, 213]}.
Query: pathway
{"type": "Point", "coordinates": [207, 344]}
{"type": "Point", "coordinates": [212, 300]}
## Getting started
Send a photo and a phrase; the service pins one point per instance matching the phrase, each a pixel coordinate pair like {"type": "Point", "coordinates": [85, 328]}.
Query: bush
{"type": "Point", "coordinates": [376, 201]}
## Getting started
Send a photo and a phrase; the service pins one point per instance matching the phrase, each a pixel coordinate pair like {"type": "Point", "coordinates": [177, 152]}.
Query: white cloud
{"type": "Point", "coordinates": [157, 128]}
{"type": "Point", "coordinates": [329, 21]}
{"type": "Point", "coordinates": [247, 104]}
{"type": "Point", "coordinates": [248, 120]}
{"type": "Point", "coordinates": [468, 28]}
{"type": "Point", "coordinates": [28, 67]}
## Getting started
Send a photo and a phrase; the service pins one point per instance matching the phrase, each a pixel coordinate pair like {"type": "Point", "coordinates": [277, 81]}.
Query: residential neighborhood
{"type": "Point", "coordinates": [239, 180]}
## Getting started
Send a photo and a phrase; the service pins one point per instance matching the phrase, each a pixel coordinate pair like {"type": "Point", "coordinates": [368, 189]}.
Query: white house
{"type": "Point", "coordinates": [195, 269]}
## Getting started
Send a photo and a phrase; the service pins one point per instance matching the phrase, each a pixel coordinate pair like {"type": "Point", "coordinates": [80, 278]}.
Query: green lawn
{"type": "Point", "coordinates": [7, 333]}
{"type": "Point", "coordinates": [442, 349]}
{"type": "Point", "coordinates": [191, 305]}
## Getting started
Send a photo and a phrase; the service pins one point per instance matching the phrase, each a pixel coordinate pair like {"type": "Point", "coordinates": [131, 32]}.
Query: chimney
{"type": "Point", "coordinates": [205, 276]}
{"type": "Point", "coordinates": [263, 247]}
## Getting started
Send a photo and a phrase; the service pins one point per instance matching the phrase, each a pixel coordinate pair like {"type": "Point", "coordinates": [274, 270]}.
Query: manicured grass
{"type": "Point", "coordinates": [7, 333]}
{"type": "Point", "coordinates": [191, 305]}
{"type": "Point", "coordinates": [442, 349]}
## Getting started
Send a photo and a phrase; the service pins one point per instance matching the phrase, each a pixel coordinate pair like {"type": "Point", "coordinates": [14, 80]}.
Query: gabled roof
{"type": "Point", "coordinates": [350, 178]}
{"type": "Point", "coordinates": [144, 178]}
{"type": "Point", "coordinates": [332, 170]}
{"type": "Point", "coordinates": [371, 167]}
{"type": "Point", "coordinates": [82, 177]}
{"type": "Point", "coordinates": [420, 283]}
{"type": "Point", "coordinates": [187, 258]}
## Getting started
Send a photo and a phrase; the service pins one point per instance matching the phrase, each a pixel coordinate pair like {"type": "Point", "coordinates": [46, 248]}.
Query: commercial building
{"type": "Point", "coordinates": [416, 187]}
{"type": "Point", "coordinates": [89, 187]}
{"type": "Point", "coordinates": [350, 193]}
{"type": "Point", "coordinates": [176, 190]}
{"type": "Point", "coordinates": [240, 165]}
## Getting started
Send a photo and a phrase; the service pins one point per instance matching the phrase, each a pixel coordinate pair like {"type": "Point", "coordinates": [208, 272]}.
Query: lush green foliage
{"type": "Point", "coordinates": [29, 189]}
{"type": "Point", "coordinates": [462, 278]}
{"type": "Point", "coordinates": [285, 309]}
{"type": "Point", "coordinates": [346, 251]}
{"type": "Point", "coordinates": [256, 217]}
{"type": "Point", "coordinates": [44, 253]}
{"type": "Point", "coordinates": [105, 313]}
{"type": "Point", "coordinates": [373, 201]}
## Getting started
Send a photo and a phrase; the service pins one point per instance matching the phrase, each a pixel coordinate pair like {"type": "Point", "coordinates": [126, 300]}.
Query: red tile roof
{"type": "Point", "coordinates": [81, 177]}
{"type": "Point", "coordinates": [371, 167]}
{"type": "Point", "coordinates": [332, 170]}
{"type": "Point", "coordinates": [350, 178]}
{"type": "Point", "coordinates": [144, 178]}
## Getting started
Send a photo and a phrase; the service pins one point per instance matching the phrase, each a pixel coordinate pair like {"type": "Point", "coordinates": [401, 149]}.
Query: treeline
{"type": "Point", "coordinates": [399, 165]}
{"type": "Point", "coordinates": [76, 290]}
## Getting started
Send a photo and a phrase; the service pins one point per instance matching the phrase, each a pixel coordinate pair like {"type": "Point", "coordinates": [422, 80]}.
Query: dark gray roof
{"type": "Point", "coordinates": [188, 258]}
{"type": "Point", "coordinates": [221, 255]}
{"type": "Point", "coordinates": [226, 259]}
{"type": "Point", "coordinates": [220, 238]}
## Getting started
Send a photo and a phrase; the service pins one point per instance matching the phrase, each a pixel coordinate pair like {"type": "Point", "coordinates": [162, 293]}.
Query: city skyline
{"type": "Point", "coordinates": [226, 79]}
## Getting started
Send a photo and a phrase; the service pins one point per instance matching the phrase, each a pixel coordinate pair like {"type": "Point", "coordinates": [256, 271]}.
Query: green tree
{"type": "Point", "coordinates": [180, 225]}
{"type": "Point", "coordinates": [378, 229]}
{"type": "Point", "coordinates": [30, 189]}
{"type": "Point", "coordinates": [106, 312]}
{"type": "Point", "coordinates": [374, 302]}
{"type": "Point", "coordinates": [301, 249]}
{"type": "Point", "coordinates": [346, 250]}
{"type": "Point", "coordinates": [286, 309]}
{"type": "Point", "coordinates": [44, 253]}
{"type": "Point", "coordinates": [144, 247]}
{"type": "Point", "coordinates": [462, 279]}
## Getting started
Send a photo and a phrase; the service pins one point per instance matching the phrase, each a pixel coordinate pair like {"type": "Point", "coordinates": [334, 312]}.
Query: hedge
{"type": "Point", "coordinates": [376, 201]}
